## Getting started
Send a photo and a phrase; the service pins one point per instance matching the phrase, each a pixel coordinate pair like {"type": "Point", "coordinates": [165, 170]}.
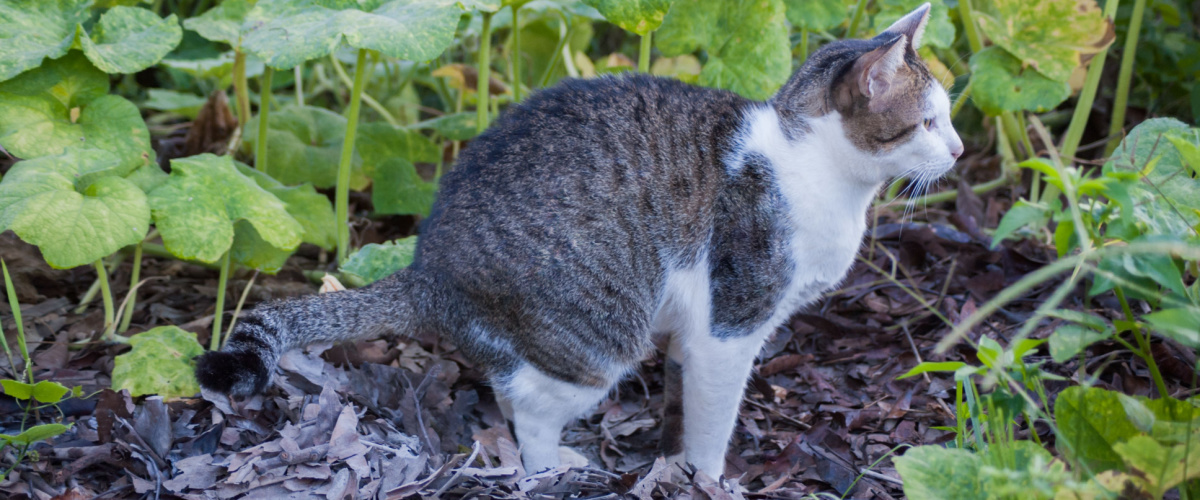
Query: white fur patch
{"type": "Point", "coordinates": [541, 405]}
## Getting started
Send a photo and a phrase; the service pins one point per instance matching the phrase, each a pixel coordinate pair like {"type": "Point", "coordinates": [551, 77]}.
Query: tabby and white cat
{"type": "Point", "coordinates": [603, 215]}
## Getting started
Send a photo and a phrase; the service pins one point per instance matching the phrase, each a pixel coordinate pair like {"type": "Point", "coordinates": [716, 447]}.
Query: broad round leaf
{"type": "Point", "coordinates": [310, 208]}
{"type": "Point", "coordinates": [33, 30]}
{"type": "Point", "coordinates": [374, 262]}
{"type": "Point", "coordinates": [816, 15]}
{"type": "Point", "coordinates": [304, 144]}
{"type": "Point", "coordinates": [1002, 84]}
{"type": "Point", "coordinates": [130, 39]}
{"type": "Point", "coordinates": [747, 43]}
{"type": "Point", "coordinates": [1046, 35]}
{"type": "Point", "coordinates": [399, 189]}
{"type": "Point", "coordinates": [219, 68]}
{"type": "Point", "coordinates": [196, 209]}
{"type": "Point", "coordinates": [159, 363]}
{"type": "Point", "coordinates": [638, 16]}
{"type": "Point", "coordinates": [250, 250]}
{"type": "Point", "coordinates": [285, 33]}
{"type": "Point", "coordinates": [939, 32]}
{"type": "Point", "coordinates": [936, 472]}
{"type": "Point", "coordinates": [1166, 200]}
{"type": "Point", "coordinates": [222, 23]}
{"type": "Point", "coordinates": [45, 203]}
{"type": "Point", "coordinates": [63, 104]}
{"type": "Point", "coordinates": [1091, 420]}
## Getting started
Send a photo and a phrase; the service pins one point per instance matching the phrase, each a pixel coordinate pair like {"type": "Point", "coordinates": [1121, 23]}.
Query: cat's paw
{"type": "Point", "coordinates": [236, 373]}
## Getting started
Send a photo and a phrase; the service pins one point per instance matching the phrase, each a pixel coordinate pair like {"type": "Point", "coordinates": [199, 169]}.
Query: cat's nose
{"type": "Point", "coordinates": [957, 151]}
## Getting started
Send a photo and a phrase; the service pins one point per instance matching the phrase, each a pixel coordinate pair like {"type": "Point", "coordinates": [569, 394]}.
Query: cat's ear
{"type": "Point", "coordinates": [875, 72]}
{"type": "Point", "coordinates": [912, 25]}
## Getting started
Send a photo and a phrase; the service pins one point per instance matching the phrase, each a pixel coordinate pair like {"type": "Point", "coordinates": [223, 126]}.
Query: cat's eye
{"type": "Point", "coordinates": [928, 123]}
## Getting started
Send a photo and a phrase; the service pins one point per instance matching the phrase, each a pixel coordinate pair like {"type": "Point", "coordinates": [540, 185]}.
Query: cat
{"type": "Point", "coordinates": [602, 216]}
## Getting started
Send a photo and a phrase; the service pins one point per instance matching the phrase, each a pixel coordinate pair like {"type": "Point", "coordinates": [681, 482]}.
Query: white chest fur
{"type": "Point", "coordinates": [826, 204]}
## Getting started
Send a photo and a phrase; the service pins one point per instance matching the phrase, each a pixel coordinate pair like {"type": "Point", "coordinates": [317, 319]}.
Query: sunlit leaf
{"type": "Point", "coordinates": [197, 208]}
{"type": "Point", "coordinates": [936, 472]}
{"type": "Point", "coordinates": [746, 43]}
{"type": "Point", "coordinates": [75, 207]}
{"type": "Point", "coordinates": [1002, 84]}
{"type": "Point", "coordinates": [222, 23]}
{"type": "Point", "coordinates": [284, 33]}
{"type": "Point", "coordinates": [374, 262]}
{"type": "Point", "coordinates": [64, 104]}
{"type": "Point", "coordinates": [939, 32]}
{"type": "Point", "coordinates": [816, 15]}
{"type": "Point", "coordinates": [130, 39]}
{"type": "Point", "coordinates": [1090, 421]}
{"type": "Point", "coordinates": [34, 30]}
{"type": "Point", "coordinates": [160, 362]}
{"type": "Point", "coordinates": [638, 16]}
{"type": "Point", "coordinates": [1166, 199]}
{"type": "Point", "coordinates": [1048, 36]}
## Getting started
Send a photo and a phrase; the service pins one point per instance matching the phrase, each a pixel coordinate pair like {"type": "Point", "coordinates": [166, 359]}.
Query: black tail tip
{"type": "Point", "coordinates": [237, 373]}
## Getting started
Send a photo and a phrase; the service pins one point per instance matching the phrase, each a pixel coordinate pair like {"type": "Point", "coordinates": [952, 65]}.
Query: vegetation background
{"type": "Point", "coordinates": [1023, 329]}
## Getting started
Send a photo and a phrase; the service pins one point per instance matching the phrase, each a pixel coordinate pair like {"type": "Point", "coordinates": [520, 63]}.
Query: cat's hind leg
{"type": "Point", "coordinates": [540, 407]}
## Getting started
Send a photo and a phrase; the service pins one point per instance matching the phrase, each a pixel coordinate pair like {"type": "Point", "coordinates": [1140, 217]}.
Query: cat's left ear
{"type": "Point", "coordinates": [912, 25]}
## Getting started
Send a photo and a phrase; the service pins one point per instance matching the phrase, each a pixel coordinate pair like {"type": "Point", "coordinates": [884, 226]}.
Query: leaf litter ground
{"type": "Point", "coordinates": [411, 418]}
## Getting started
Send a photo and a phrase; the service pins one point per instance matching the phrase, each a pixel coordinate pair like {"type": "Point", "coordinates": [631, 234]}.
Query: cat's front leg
{"type": "Point", "coordinates": [714, 374]}
{"type": "Point", "coordinates": [540, 406]}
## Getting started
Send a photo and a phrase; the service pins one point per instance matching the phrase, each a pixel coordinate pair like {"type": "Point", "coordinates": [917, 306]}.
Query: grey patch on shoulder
{"type": "Point", "coordinates": [748, 259]}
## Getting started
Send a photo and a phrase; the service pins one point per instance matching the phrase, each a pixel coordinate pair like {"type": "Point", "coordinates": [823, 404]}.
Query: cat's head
{"type": "Point", "coordinates": [890, 109]}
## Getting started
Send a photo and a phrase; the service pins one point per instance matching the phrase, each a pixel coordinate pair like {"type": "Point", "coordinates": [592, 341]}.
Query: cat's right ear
{"type": "Point", "coordinates": [875, 72]}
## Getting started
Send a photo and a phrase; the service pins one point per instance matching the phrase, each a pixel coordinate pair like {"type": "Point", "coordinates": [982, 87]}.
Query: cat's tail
{"type": "Point", "coordinates": [245, 364]}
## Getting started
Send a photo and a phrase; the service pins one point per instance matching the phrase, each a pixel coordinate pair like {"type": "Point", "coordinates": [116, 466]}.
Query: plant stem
{"type": "Point", "coordinates": [299, 78]}
{"type": "Point", "coordinates": [968, 20]}
{"type": "Point", "coordinates": [90, 295]}
{"type": "Point", "coordinates": [238, 309]}
{"type": "Point", "coordinates": [859, 9]}
{"type": "Point", "coordinates": [342, 197]}
{"type": "Point", "coordinates": [106, 295]}
{"type": "Point", "coordinates": [222, 279]}
{"type": "Point", "coordinates": [484, 74]}
{"type": "Point", "coordinates": [1128, 54]}
{"type": "Point", "coordinates": [516, 53]}
{"type": "Point", "coordinates": [133, 280]}
{"type": "Point", "coordinates": [11, 291]}
{"type": "Point", "coordinates": [803, 45]}
{"type": "Point", "coordinates": [644, 53]}
{"type": "Point", "coordinates": [264, 110]}
{"type": "Point", "coordinates": [240, 91]}
{"type": "Point", "coordinates": [1143, 345]}
{"type": "Point", "coordinates": [379, 108]}
{"type": "Point", "coordinates": [1083, 107]}
{"type": "Point", "coordinates": [962, 98]}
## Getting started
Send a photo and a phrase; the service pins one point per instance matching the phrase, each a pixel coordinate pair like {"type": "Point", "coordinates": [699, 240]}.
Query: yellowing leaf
{"type": "Point", "coordinates": [159, 363]}
{"type": "Point", "coordinates": [1046, 35]}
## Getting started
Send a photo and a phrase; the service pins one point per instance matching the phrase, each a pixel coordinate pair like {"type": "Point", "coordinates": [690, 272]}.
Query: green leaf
{"type": "Point", "coordinates": [219, 68]}
{"type": "Point", "coordinates": [222, 23]}
{"type": "Point", "coordinates": [63, 104]}
{"type": "Point", "coordinates": [746, 42]}
{"type": "Point", "coordinates": [1002, 84]}
{"type": "Point", "coordinates": [1166, 199]}
{"type": "Point", "coordinates": [482, 5]}
{"type": "Point", "coordinates": [374, 262]}
{"type": "Point", "coordinates": [34, 30]}
{"type": "Point", "coordinates": [1069, 340]}
{"type": "Point", "coordinates": [49, 392]}
{"type": "Point", "coordinates": [310, 208]}
{"type": "Point", "coordinates": [1160, 468]}
{"type": "Point", "coordinates": [378, 142]}
{"type": "Point", "coordinates": [1022, 213]}
{"type": "Point", "coordinates": [816, 15]}
{"type": "Point", "coordinates": [1180, 324]}
{"type": "Point", "coordinates": [933, 366]}
{"type": "Point", "coordinates": [304, 144]}
{"type": "Point", "coordinates": [400, 190]}
{"type": "Point", "coordinates": [1093, 321]}
{"type": "Point", "coordinates": [939, 31]}
{"type": "Point", "coordinates": [936, 472]}
{"type": "Point", "coordinates": [1188, 145]}
{"type": "Point", "coordinates": [1048, 36]}
{"type": "Point", "coordinates": [73, 207]}
{"type": "Point", "coordinates": [638, 16]}
{"type": "Point", "coordinates": [160, 362]}
{"type": "Point", "coordinates": [35, 434]}
{"type": "Point", "coordinates": [148, 177]}
{"type": "Point", "coordinates": [1090, 421]}
{"type": "Point", "coordinates": [285, 33]}
{"type": "Point", "coordinates": [454, 126]}
{"type": "Point", "coordinates": [252, 251]}
{"type": "Point", "coordinates": [16, 389]}
{"type": "Point", "coordinates": [196, 209]}
{"type": "Point", "coordinates": [130, 39]}
{"type": "Point", "coordinates": [181, 103]}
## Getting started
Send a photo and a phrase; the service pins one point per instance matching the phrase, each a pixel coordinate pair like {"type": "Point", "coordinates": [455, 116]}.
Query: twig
{"type": "Point", "coordinates": [458, 473]}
